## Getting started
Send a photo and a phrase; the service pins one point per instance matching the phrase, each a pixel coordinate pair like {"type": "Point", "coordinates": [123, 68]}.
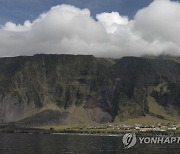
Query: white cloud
{"type": "Point", "coordinates": [66, 29]}
{"type": "Point", "coordinates": [160, 20]}
{"type": "Point", "coordinates": [111, 21]}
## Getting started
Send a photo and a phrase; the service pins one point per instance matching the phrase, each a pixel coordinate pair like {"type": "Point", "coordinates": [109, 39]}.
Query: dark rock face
{"type": "Point", "coordinates": [47, 117]}
{"type": "Point", "coordinates": [116, 87]}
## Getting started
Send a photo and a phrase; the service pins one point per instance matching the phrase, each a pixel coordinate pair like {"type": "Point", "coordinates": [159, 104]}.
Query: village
{"type": "Point", "coordinates": [158, 127]}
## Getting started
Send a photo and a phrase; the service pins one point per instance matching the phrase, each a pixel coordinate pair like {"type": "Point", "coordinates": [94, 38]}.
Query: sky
{"type": "Point", "coordinates": [103, 28]}
{"type": "Point", "coordinates": [20, 10]}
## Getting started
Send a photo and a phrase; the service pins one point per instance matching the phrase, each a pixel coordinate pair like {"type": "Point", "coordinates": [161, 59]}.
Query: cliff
{"type": "Point", "coordinates": [63, 89]}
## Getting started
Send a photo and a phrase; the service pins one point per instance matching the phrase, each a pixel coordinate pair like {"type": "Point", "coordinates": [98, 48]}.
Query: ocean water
{"type": "Point", "coordinates": [74, 143]}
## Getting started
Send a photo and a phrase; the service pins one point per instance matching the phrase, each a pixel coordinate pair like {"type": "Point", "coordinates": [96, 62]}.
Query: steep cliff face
{"type": "Point", "coordinates": [79, 88]}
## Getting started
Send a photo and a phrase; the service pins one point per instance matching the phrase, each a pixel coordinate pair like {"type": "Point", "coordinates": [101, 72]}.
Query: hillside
{"type": "Point", "coordinates": [68, 89]}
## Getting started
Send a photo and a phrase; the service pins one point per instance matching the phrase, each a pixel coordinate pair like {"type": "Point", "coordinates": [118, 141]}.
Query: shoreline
{"type": "Point", "coordinates": [17, 129]}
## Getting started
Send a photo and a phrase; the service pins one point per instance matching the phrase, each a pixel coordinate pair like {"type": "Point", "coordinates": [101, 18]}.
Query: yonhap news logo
{"type": "Point", "coordinates": [129, 140]}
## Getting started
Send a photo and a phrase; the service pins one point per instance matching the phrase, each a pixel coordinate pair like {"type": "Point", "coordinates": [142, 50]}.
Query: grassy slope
{"type": "Point", "coordinates": [147, 119]}
{"type": "Point", "coordinates": [169, 113]}
{"type": "Point", "coordinates": [50, 106]}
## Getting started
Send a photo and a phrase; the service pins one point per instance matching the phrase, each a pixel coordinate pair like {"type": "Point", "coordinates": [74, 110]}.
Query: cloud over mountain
{"type": "Point", "coordinates": [154, 30]}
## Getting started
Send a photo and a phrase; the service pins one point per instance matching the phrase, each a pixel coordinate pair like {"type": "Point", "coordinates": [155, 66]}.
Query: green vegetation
{"type": "Point", "coordinates": [178, 130]}
{"type": "Point", "coordinates": [147, 119]}
{"type": "Point", "coordinates": [82, 128]}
